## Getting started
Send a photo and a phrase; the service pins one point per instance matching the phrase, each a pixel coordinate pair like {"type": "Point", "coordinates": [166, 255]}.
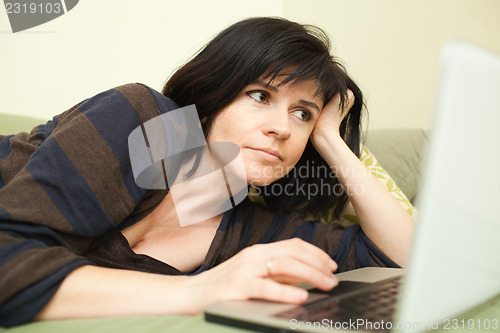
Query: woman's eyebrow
{"type": "Point", "coordinates": [275, 89]}
{"type": "Point", "coordinates": [310, 104]}
{"type": "Point", "coordinates": [266, 85]}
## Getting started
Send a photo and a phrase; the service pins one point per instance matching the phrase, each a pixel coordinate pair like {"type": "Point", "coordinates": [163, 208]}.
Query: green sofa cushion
{"type": "Point", "coordinates": [400, 152]}
{"type": "Point", "coordinates": [11, 124]}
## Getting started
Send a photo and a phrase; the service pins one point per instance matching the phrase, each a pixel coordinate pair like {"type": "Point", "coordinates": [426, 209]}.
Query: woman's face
{"type": "Point", "coordinates": [271, 125]}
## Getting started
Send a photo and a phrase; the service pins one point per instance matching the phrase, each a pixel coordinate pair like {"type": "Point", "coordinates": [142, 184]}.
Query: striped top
{"type": "Point", "coordinates": [67, 190]}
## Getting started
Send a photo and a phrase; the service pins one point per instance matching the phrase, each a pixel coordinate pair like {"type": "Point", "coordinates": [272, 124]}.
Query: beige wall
{"type": "Point", "coordinates": [389, 46]}
{"type": "Point", "coordinates": [104, 43]}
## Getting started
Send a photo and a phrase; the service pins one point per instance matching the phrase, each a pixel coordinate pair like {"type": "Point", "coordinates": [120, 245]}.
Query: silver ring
{"type": "Point", "coordinates": [269, 266]}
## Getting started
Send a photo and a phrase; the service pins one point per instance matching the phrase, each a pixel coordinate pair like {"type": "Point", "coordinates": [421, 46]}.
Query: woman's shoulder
{"type": "Point", "coordinates": [145, 100]}
{"type": "Point", "coordinates": [138, 93]}
{"type": "Point", "coordinates": [126, 106]}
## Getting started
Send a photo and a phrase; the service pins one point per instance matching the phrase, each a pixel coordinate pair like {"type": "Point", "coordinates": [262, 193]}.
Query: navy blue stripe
{"type": "Point", "coordinates": [30, 231]}
{"type": "Point", "coordinates": [5, 146]}
{"type": "Point", "coordinates": [236, 214]}
{"type": "Point", "coordinates": [340, 253]}
{"type": "Point", "coordinates": [43, 131]}
{"type": "Point", "coordinates": [363, 258]}
{"type": "Point", "coordinates": [306, 231]}
{"type": "Point", "coordinates": [227, 218]}
{"type": "Point", "coordinates": [247, 228]}
{"type": "Point", "coordinates": [132, 219]}
{"type": "Point", "coordinates": [366, 242]}
{"type": "Point", "coordinates": [201, 269]}
{"type": "Point", "coordinates": [164, 103]}
{"type": "Point", "coordinates": [69, 191]}
{"type": "Point", "coordinates": [9, 251]}
{"type": "Point", "coordinates": [4, 215]}
{"type": "Point", "coordinates": [4, 152]}
{"type": "Point", "coordinates": [242, 211]}
{"type": "Point", "coordinates": [26, 304]}
{"type": "Point", "coordinates": [111, 109]}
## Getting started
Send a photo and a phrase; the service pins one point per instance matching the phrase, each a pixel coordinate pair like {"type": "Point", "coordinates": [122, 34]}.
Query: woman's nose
{"type": "Point", "coordinates": [278, 124]}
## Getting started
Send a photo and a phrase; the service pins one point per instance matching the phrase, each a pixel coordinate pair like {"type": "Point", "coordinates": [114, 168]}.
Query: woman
{"type": "Point", "coordinates": [80, 239]}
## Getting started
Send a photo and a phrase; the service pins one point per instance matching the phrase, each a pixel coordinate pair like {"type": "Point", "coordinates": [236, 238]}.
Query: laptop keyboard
{"type": "Point", "coordinates": [365, 304]}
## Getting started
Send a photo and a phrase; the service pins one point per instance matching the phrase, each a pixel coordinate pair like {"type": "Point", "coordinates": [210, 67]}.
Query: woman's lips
{"type": "Point", "coordinates": [267, 154]}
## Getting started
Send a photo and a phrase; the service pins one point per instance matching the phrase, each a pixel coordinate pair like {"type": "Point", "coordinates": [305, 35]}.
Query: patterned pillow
{"type": "Point", "coordinates": [348, 216]}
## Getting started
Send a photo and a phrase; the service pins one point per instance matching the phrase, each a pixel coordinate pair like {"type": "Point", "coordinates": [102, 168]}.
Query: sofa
{"type": "Point", "coordinates": [399, 151]}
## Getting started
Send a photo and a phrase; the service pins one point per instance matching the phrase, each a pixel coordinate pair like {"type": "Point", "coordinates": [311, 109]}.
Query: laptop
{"type": "Point", "coordinates": [454, 264]}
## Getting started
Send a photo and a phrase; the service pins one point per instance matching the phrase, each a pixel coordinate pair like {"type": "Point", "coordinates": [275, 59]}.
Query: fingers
{"type": "Point", "coordinates": [336, 103]}
{"type": "Point", "coordinates": [292, 261]}
{"type": "Point", "coordinates": [300, 250]}
{"type": "Point", "coordinates": [350, 100]}
{"type": "Point", "coordinates": [273, 291]}
{"type": "Point", "coordinates": [265, 271]}
{"type": "Point", "coordinates": [330, 119]}
{"type": "Point", "coordinates": [289, 270]}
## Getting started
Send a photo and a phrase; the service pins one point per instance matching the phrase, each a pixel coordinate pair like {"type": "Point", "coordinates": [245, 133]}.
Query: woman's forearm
{"type": "Point", "coordinates": [382, 218]}
{"type": "Point", "coordinates": [90, 292]}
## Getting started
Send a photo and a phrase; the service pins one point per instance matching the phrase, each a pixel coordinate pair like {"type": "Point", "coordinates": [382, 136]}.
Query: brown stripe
{"type": "Point", "coordinates": [141, 99]}
{"type": "Point", "coordinates": [290, 227]}
{"type": "Point", "coordinates": [224, 245]}
{"type": "Point", "coordinates": [146, 108]}
{"type": "Point", "coordinates": [262, 220]}
{"type": "Point", "coordinates": [25, 200]}
{"type": "Point", "coordinates": [214, 251]}
{"type": "Point", "coordinates": [328, 237]}
{"type": "Point", "coordinates": [376, 261]}
{"type": "Point", "coordinates": [96, 163]}
{"type": "Point", "coordinates": [6, 239]}
{"type": "Point", "coordinates": [60, 118]}
{"type": "Point", "coordinates": [22, 146]}
{"type": "Point", "coordinates": [40, 263]}
{"type": "Point", "coordinates": [350, 259]}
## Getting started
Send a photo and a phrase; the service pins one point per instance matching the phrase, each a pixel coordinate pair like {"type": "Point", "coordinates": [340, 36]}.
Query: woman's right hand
{"type": "Point", "coordinates": [265, 271]}
{"type": "Point", "coordinates": [91, 291]}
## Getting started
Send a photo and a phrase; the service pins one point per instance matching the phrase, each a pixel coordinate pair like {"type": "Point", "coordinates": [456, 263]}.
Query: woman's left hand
{"type": "Point", "coordinates": [330, 119]}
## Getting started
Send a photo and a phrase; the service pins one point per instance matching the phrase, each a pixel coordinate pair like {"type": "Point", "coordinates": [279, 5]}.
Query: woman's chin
{"type": "Point", "coordinates": [262, 175]}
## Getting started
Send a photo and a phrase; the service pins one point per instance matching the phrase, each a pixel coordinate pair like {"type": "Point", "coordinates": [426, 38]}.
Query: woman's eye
{"type": "Point", "coordinates": [302, 115]}
{"type": "Point", "coordinates": [259, 96]}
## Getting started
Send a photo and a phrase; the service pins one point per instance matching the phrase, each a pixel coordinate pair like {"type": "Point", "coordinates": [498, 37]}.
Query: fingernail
{"type": "Point", "coordinates": [330, 281]}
